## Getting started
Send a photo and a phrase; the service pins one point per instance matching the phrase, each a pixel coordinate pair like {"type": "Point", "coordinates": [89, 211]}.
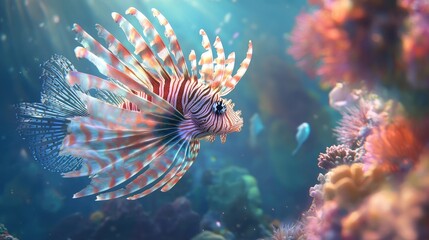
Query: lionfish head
{"type": "Point", "coordinates": [217, 117]}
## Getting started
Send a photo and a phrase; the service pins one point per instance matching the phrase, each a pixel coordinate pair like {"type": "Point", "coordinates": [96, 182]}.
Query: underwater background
{"type": "Point", "coordinates": [355, 71]}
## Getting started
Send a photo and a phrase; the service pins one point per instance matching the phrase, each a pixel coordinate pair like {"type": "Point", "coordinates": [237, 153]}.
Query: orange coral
{"type": "Point", "coordinates": [349, 184]}
{"type": "Point", "coordinates": [394, 146]}
{"type": "Point", "coordinates": [392, 212]}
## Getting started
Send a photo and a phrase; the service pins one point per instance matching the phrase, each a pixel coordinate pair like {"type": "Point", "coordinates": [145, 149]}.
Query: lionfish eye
{"type": "Point", "coordinates": [219, 107]}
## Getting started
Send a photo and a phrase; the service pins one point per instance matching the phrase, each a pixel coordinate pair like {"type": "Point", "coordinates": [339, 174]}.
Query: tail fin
{"type": "Point", "coordinates": [44, 125]}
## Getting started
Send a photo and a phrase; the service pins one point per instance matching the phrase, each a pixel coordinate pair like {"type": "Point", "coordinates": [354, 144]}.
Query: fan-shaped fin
{"type": "Point", "coordinates": [206, 60]}
{"type": "Point", "coordinates": [156, 42]}
{"type": "Point", "coordinates": [174, 45]}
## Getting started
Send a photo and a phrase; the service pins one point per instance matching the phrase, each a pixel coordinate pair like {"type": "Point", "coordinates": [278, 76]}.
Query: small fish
{"type": "Point", "coordinates": [256, 127]}
{"type": "Point", "coordinates": [137, 128]}
{"type": "Point", "coordinates": [301, 135]}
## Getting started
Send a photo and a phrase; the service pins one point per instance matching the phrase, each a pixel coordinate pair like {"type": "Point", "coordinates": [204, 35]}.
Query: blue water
{"type": "Point", "coordinates": [35, 202]}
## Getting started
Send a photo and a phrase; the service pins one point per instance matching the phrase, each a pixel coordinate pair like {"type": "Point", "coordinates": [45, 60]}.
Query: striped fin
{"type": "Point", "coordinates": [108, 97]}
{"type": "Point", "coordinates": [44, 125]}
{"type": "Point", "coordinates": [126, 80]}
{"type": "Point", "coordinates": [158, 167]}
{"type": "Point", "coordinates": [206, 60]}
{"type": "Point", "coordinates": [178, 160]}
{"type": "Point", "coordinates": [118, 145]}
{"type": "Point", "coordinates": [155, 41]}
{"type": "Point", "coordinates": [117, 48]}
{"type": "Point", "coordinates": [110, 140]}
{"type": "Point", "coordinates": [95, 47]}
{"type": "Point", "coordinates": [192, 154]}
{"type": "Point", "coordinates": [87, 82]}
{"type": "Point", "coordinates": [155, 112]}
{"type": "Point", "coordinates": [174, 46]}
{"type": "Point", "coordinates": [220, 64]}
{"type": "Point", "coordinates": [230, 62]}
{"type": "Point", "coordinates": [231, 82]}
{"type": "Point", "coordinates": [129, 161]}
{"type": "Point", "coordinates": [140, 47]}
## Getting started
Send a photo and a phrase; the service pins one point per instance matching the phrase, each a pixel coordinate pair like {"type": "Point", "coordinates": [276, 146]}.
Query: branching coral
{"type": "Point", "coordinates": [337, 155]}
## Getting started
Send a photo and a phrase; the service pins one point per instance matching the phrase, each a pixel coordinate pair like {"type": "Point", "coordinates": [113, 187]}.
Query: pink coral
{"type": "Point", "coordinates": [324, 222]}
{"type": "Point", "coordinates": [394, 212]}
{"type": "Point", "coordinates": [393, 147]}
{"type": "Point", "coordinates": [416, 49]}
{"type": "Point", "coordinates": [354, 40]}
{"type": "Point", "coordinates": [415, 5]}
{"type": "Point", "coordinates": [316, 37]}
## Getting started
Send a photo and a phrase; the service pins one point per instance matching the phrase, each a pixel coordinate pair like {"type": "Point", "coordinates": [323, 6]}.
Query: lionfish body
{"type": "Point", "coordinates": [138, 129]}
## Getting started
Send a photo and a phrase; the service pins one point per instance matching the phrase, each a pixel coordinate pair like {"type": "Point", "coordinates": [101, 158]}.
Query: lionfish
{"type": "Point", "coordinates": [137, 128]}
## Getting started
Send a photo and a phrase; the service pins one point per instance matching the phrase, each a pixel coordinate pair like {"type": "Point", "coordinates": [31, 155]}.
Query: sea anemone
{"type": "Point", "coordinates": [393, 147]}
{"type": "Point", "coordinates": [356, 124]}
{"type": "Point", "coordinates": [288, 232]}
{"type": "Point", "coordinates": [337, 155]}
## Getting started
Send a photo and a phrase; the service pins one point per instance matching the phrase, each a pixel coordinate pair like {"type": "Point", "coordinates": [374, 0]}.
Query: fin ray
{"type": "Point", "coordinates": [44, 125]}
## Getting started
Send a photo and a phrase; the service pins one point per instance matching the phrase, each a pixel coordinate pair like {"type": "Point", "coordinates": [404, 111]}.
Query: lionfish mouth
{"type": "Point", "coordinates": [236, 127]}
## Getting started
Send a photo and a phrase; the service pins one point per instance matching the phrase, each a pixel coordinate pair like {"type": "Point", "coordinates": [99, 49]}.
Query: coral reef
{"type": "Point", "coordinates": [123, 219]}
{"type": "Point", "coordinates": [394, 213]}
{"type": "Point", "coordinates": [347, 185]}
{"type": "Point", "coordinates": [236, 196]}
{"type": "Point", "coordinates": [394, 146]}
{"type": "Point", "coordinates": [337, 155]}
{"type": "Point", "coordinates": [207, 235]}
{"type": "Point", "coordinates": [370, 200]}
{"type": "Point", "coordinates": [177, 219]}
{"type": "Point", "coordinates": [354, 40]}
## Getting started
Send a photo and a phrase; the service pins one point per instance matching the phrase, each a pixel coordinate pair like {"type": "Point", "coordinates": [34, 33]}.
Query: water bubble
{"type": "Point", "coordinates": [56, 18]}
{"type": "Point", "coordinates": [227, 17]}
{"type": "Point", "coordinates": [23, 153]}
{"type": "Point", "coordinates": [235, 35]}
{"type": "Point", "coordinates": [217, 31]}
